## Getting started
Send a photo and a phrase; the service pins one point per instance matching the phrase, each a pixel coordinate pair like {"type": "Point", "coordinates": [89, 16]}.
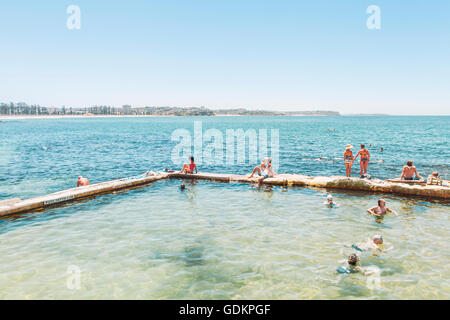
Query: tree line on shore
{"type": "Point", "coordinates": [21, 108]}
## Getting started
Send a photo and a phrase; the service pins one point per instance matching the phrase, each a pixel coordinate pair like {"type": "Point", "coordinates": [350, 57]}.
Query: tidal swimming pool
{"type": "Point", "coordinates": [223, 241]}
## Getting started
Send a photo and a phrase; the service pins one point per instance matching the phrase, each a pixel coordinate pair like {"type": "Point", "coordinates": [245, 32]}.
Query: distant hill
{"type": "Point", "coordinates": [245, 112]}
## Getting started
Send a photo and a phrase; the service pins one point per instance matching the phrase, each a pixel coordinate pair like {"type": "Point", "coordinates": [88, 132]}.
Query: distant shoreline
{"type": "Point", "coordinates": [23, 117]}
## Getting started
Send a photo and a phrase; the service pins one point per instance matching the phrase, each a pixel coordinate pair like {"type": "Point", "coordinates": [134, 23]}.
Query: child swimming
{"type": "Point", "coordinates": [330, 201]}
{"type": "Point", "coordinates": [376, 244]}
{"type": "Point", "coordinates": [353, 265]}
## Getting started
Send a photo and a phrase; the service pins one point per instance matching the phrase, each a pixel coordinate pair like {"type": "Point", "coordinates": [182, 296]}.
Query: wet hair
{"type": "Point", "coordinates": [182, 187]}
{"type": "Point", "coordinates": [381, 200]}
{"type": "Point", "coordinates": [192, 159]}
{"type": "Point", "coordinates": [409, 163]}
{"type": "Point", "coordinates": [363, 146]}
{"type": "Point", "coordinates": [353, 259]}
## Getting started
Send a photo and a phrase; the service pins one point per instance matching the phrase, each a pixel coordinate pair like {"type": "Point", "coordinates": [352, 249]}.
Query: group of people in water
{"type": "Point", "coordinates": [265, 170]}
{"type": "Point", "coordinates": [376, 244]}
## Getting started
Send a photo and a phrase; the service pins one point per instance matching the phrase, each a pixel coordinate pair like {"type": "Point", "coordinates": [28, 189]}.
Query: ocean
{"type": "Point", "coordinates": [216, 240]}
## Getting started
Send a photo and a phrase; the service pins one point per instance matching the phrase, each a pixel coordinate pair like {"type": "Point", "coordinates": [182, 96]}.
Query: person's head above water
{"type": "Point", "coordinates": [362, 146]}
{"type": "Point", "coordinates": [349, 147]}
{"type": "Point", "coordinates": [182, 187]}
{"type": "Point", "coordinates": [330, 198]}
{"type": "Point", "coordinates": [378, 239]}
{"type": "Point", "coordinates": [409, 163]}
{"type": "Point", "coordinates": [381, 203]}
{"type": "Point", "coordinates": [435, 174]}
{"type": "Point", "coordinates": [353, 259]}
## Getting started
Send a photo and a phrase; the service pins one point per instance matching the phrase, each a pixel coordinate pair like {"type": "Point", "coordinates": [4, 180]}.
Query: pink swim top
{"type": "Point", "coordinates": [191, 166]}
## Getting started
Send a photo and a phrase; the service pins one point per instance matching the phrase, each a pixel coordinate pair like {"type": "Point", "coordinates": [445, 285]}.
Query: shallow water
{"type": "Point", "coordinates": [223, 241]}
{"type": "Point", "coordinates": [216, 240]}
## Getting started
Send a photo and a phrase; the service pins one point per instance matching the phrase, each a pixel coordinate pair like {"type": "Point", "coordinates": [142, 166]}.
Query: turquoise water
{"type": "Point", "coordinates": [217, 241]}
{"type": "Point", "coordinates": [105, 149]}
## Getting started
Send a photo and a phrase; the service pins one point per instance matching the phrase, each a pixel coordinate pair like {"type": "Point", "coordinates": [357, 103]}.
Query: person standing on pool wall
{"type": "Point", "coordinates": [365, 158]}
{"type": "Point", "coordinates": [348, 160]}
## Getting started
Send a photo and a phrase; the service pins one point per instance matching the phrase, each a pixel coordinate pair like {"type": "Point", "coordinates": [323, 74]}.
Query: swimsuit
{"type": "Point", "coordinates": [348, 270]}
{"type": "Point", "coordinates": [191, 167]}
{"type": "Point", "coordinates": [364, 155]}
{"type": "Point", "coordinates": [264, 174]}
{"type": "Point", "coordinates": [348, 158]}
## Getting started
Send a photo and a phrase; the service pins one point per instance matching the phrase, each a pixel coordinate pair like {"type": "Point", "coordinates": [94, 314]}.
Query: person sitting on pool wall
{"type": "Point", "coordinates": [259, 168]}
{"type": "Point", "coordinates": [189, 168]}
{"type": "Point", "coordinates": [381, 209]}
{"type": "Point", "coordinates": [433, 179]}
{"type": "Point", "coordinates": [82, 182]}
{"type": "Point", "coordinates": [365, 158]}
{"type": "Point", "coordinates": [265, 171]}
{"type": "Point", "coordinates": [410, 172]}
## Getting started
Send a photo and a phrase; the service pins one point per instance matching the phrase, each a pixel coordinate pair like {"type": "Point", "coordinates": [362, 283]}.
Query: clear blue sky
{"type": "Point", "coordinates": [279, 55]}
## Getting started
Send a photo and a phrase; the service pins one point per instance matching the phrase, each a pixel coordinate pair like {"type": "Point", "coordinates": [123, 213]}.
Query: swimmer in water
{"type": "Point", "coordinates": [353, 265]}
{"type": "Point", "coordinates": [376, 244]}
{"type": "Point", "coordinates": [182, 187]}
{"type": "Point", "coordinates": [380, 210]}
{"type": "Point", "coordinates": [82, 182]}
{"type": "Point", "coordinates": [330, 201]}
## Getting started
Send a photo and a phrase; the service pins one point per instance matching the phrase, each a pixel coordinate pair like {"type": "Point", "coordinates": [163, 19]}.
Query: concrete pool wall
{"type": "Point", "coordinates": [14, 206]}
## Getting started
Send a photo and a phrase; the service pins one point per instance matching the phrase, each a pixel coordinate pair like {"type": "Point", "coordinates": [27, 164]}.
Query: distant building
{"type": "Point", "coordinates": [126, 109]}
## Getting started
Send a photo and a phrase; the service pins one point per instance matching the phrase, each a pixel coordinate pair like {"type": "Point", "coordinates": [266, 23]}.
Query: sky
{"type": "Point", "coordinates": [275, 55]}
